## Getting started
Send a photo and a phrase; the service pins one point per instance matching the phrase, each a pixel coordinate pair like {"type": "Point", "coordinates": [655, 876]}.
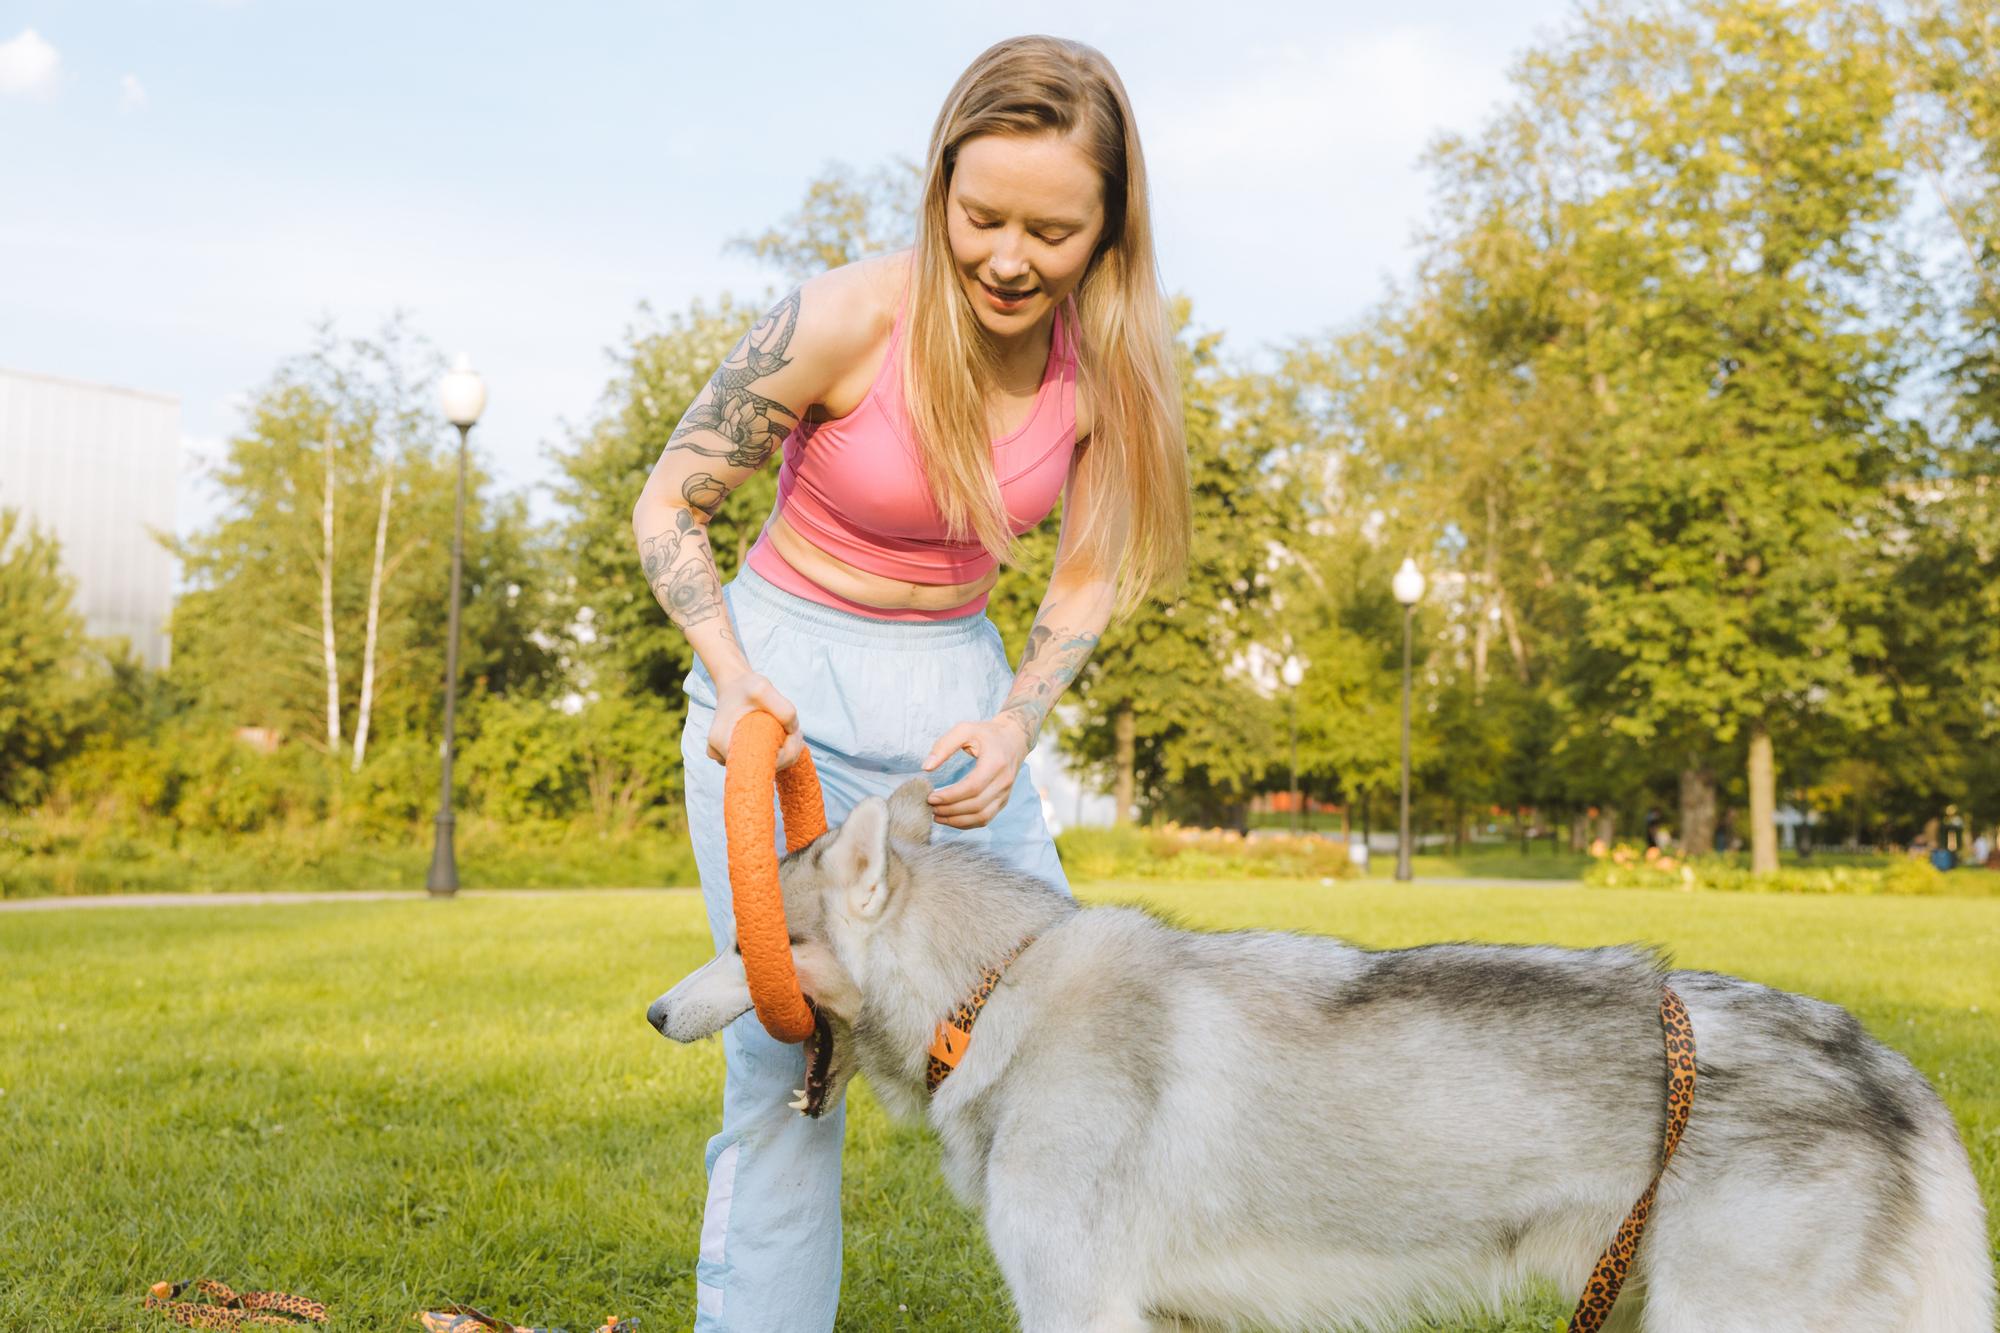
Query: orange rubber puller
{"type": "Point", "coordinates": [753, 864]}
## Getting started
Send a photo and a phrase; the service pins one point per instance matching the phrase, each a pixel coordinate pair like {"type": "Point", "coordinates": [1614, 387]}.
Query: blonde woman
{"type": "Point", "coordinates": [931, 407]}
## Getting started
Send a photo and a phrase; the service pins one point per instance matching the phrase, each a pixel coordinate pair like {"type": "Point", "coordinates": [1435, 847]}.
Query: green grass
{"type": "Point", "coordinates": [389, 1104]}
{"type": "Point", "coordinates": [45, 855]}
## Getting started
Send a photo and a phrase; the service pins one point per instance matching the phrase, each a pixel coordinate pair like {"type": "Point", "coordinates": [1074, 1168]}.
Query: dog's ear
{"type": "Point", "coordinates": [910, 815]}
{"type": "Point", "coordinates": [859, 858]}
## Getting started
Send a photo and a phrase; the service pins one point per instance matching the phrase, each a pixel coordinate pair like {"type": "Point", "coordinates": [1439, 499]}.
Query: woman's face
{"type": "Point", "coordinates": [1023, 215]}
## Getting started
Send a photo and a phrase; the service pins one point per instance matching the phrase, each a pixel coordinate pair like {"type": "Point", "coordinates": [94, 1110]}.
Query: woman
{"type": "Point", "coordinates": [931, 406]}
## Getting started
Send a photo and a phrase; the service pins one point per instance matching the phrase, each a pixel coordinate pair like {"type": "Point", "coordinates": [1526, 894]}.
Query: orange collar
{"type": "Point", "coordinates": [954, 1035]}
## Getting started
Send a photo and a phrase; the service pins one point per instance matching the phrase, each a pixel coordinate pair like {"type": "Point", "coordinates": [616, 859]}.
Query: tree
{"type": "Point", "coordinates": [1167, 708]}
{"type": "Point", "coordinates": [294, 606]}
{"type": "Point", "coordinates": [844, 217]}
{"type": "Point", "coordinates": [1727, 539]}
{"type": "Point", "coordinates": [49, 673]}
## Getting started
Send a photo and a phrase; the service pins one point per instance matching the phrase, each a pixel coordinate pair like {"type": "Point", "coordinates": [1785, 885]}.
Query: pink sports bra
{"type": "Point", "coordinates": [855, 488]}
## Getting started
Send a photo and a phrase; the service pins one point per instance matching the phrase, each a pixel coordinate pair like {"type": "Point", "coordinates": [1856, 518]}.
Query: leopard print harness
{"type": "Point", "coordinates": [954, 1035]}
{"type": "Point", "coordinates": [231, 1308]}
{"type": "Point", "coordinates": [1615, 1264]}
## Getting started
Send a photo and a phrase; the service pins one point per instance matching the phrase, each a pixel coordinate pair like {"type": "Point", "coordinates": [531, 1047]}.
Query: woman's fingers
{"type": "Point", "coordinates": [957, 738]}
{"type": "Point", "coordinates": [765, 695]}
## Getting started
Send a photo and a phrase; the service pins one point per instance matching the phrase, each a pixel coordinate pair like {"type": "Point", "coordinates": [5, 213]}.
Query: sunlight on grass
{"type": "Point", "coordinates": [388, 1104]}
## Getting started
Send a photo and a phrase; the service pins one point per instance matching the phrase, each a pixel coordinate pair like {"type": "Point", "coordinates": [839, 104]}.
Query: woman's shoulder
{"type": "Point", "coordinates": [859, 298]}
{"type": "Point", "coordinates": [849, 313]}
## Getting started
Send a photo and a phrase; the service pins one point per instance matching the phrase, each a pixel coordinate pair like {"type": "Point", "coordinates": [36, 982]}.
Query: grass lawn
{"type": "Point", "coordinates": [385, 1105]}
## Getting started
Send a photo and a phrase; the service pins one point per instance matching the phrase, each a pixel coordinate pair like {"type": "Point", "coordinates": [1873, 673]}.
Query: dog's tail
{"type": "Point", "coordinates": [1950, 1268]}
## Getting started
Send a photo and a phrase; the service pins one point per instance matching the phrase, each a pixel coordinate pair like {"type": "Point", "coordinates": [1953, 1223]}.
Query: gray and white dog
{"type": "Point", "coordinates": [1165, 1129]}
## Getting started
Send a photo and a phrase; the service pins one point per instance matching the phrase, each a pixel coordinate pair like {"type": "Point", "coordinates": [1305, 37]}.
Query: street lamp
{"type": "Point", "coordinates": [464, 395]}
{"type": "Point", "coordinates": [1292, 673]}
{"type": "Point", "coordinates": [1409, 588]}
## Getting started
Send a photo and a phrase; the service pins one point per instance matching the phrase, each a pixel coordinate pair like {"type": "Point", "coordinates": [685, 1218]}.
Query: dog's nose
{"type": "Point", "coordinates": [656, 1014]}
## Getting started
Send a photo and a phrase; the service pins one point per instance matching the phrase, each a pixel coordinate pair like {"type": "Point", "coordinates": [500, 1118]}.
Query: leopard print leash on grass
{"type": "Point", "coordinates": [1613, 1266]}
{"type": "Point", "coordinates": [233, 1309]}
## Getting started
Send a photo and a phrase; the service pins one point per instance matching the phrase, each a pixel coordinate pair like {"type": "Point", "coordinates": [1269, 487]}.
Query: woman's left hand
{"type": "Point", "coordinates": [976, 798]}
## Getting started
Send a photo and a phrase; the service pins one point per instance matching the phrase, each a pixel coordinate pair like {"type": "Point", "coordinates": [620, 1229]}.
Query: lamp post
{"type": "Point", "coordinates": [1292, 673]}
{"type": "Point", "coordinates": [464, 395]}
{"type": "Point", "coordinates": [1409, 588]}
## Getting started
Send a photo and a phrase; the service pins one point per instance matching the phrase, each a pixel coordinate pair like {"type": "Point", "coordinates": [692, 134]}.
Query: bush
{"type": "Point", "coordinates": [1627, 868]}
{"type": "Point", "coordinates": [615, 760]}
{"type": "Point", "coordinates": [1172, 852]}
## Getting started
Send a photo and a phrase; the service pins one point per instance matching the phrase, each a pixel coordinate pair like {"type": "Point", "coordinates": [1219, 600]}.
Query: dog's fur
{"type": "Point", "coordinates": [1168, 1129]}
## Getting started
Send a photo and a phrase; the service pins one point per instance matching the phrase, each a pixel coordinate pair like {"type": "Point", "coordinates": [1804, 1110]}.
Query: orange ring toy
{"type": "Point", "coordinates": [753, 864]}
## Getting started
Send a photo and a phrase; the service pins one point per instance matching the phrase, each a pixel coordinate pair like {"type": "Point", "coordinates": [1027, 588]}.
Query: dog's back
{"type": "Point", "coordinates": [1285, 1130]}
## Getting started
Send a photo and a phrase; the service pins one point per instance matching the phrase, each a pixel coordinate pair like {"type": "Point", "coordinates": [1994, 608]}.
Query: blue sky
{"type": "Point", "coordinates": [190, 184]}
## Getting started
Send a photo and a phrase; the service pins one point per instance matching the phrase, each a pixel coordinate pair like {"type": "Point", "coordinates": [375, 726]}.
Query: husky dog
{"type": "Point", "coordinates": [1166, 1129]}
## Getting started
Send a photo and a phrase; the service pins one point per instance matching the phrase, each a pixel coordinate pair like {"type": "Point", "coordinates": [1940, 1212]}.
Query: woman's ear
{"type": "Point", "coordinates": [858, 860]}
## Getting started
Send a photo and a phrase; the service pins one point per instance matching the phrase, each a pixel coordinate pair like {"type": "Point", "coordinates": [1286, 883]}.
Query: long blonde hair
{"type": "Point", "coordinates": [1025, 87]}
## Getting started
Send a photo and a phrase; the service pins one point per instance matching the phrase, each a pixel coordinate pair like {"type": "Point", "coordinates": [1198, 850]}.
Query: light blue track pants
{"type": "Point", "coordinates": [873, 697]}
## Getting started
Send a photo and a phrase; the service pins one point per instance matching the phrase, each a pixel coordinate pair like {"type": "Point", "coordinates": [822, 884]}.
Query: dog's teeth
{"type": "Point", "coordinates": [800, 1104]}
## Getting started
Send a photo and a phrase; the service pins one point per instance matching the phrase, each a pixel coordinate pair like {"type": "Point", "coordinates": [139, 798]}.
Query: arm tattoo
{"type": "Point", "coordinates": [751, 425]}
{"type": "Point", "coordinates": [1049, 663]}
{"type": "Point", "coordinates": [681, 572]}
{"type": "Point", "coordinates": [705, 492]}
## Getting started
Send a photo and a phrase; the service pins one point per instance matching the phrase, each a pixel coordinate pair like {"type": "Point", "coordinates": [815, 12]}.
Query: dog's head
{"type": "Point", "coordinates": [835, 890]}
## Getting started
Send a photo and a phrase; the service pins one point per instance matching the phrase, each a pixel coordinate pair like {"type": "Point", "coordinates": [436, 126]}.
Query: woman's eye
{"type": "Point", "coordinates": [982, 226]}
{"type": "Point", "coordinates": [1052, 240]}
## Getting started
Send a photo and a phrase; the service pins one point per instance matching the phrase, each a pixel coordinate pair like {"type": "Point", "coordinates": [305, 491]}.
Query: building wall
{"type": "Point", "coordinates": [98, 466]}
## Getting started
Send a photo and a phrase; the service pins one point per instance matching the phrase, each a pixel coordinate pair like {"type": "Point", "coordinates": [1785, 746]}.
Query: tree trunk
{"type": "Point", "coordinates": [1763, 802]}
{"type": "Point", "coordinates": [1124, 734]}
{"type": "Point", "coordinates": [1607, 825]}
{"type": "Point", "coordinates": [326, 603]}
{"type": "Point", "coordinates": [1697, 811]}
{"type": "Point", "coordinates": [374, 618]}
{"type": "Point", "coordinates": [1482, 621]}
{"type": "Point", "coordinates": [1515, 643]}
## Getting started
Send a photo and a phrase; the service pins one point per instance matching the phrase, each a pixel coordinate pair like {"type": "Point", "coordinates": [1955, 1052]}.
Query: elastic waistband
{"type": "Point", "coordinates": [847, 627]}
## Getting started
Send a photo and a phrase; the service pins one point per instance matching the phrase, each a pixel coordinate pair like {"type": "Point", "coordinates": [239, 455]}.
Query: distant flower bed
{"type": "Point", "coordinates": [1626, 867]}
{"type": "Point", "coordinates": [1172, 852]}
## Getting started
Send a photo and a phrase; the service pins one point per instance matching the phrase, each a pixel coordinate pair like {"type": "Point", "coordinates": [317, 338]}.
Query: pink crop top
{"type": "Point", "coordinates": [854, 486]}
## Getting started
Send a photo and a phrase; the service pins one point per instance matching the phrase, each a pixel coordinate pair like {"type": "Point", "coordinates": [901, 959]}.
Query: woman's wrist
{"type": "Point", "coordinates": [1026, 717]}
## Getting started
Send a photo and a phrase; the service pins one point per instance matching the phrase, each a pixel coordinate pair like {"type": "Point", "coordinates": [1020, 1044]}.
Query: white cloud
{"type": "Point", "coordinates": [131, 93]}
{"type": "Point", "coordinates": [28, 66]}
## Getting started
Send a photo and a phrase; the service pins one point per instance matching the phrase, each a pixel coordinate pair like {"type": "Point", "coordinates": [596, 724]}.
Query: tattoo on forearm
{"type": "Point", "coordinates": [751, 425]}
{"type": "Point", "coordinates": [1050, 662]}
{"type": "Point", "coordinates": [681, 571]}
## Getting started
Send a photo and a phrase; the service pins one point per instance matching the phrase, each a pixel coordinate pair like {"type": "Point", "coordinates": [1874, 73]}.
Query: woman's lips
{"type": "Point", "coordinates": [1007, 300]}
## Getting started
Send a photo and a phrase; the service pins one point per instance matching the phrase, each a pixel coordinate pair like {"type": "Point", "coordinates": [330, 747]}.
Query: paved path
{"type": "Point", "coordinates": [253, 899]}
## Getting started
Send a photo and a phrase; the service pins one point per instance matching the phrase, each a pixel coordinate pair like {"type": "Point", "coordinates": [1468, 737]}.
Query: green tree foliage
{"type": "Point", "coordinates": [1173, 676]}
{"type": "Point", "coordinates": [248, 633]}
{"type": "Point", "coordinates": [51, 678]}
{"type": "Point", "coordinates": [844, 217]}
{"type": "Point", "coordinates": [622, 641]}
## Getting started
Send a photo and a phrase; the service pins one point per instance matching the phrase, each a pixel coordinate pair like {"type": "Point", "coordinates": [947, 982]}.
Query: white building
{"type": "Point", "coordinates": [97, 467]}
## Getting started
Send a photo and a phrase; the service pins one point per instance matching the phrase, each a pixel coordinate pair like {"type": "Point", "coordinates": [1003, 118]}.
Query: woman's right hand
{"type": "Point", "coordinates": [744, 694]}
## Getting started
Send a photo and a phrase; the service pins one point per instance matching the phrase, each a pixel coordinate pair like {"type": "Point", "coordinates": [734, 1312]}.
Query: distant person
{"type": "Point", "coordinates": [1653, 822]}
{"type": "Point", "coordinates": [1982, 850]}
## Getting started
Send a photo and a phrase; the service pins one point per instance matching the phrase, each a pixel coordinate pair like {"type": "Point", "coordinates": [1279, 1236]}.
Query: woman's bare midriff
{"type": "Point", "coordinates": [858, 585]}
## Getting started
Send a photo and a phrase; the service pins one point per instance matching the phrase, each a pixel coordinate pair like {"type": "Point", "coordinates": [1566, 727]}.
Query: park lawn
{"type": "Point", "coordinates": [387, 1105]}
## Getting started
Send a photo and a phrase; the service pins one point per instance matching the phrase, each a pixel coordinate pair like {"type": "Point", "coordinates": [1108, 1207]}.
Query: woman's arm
{"type": "Point", "coordinates": [1072, 616]}
{"type": "Point", "coordinates": [781, 367]}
